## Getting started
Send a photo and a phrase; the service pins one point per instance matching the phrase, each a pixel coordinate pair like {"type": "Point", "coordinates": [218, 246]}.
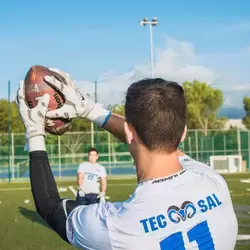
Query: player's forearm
{"type": "Point", "coordinates": [104, 184]}
{"type": "Point", "coordinates": [115, 125]}
{"type": "Point", "coordinates": [49, 205]}
{"type": "Point", "coordinates": [43, 186]}
{"type": "Point", "coordinates": [79, 181]}
{"type": "Point", "coordinates": [80, 176]}
{"type": "Point", "coordinates": [111, 122]}
{"type": "Point", "coordinates": [104, 187]}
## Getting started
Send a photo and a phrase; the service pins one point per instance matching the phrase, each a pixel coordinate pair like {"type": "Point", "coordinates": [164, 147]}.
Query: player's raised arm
{"type": "Point", "coordinates": [78, 105]}
{"type": "Point", "coordinates": [49, 205]}
{"type": "Point", "coordinates": [115, 125]}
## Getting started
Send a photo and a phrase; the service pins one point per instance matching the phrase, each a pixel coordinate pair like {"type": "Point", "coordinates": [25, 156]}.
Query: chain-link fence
{"type": "Point", "coordinates": [68, 151]}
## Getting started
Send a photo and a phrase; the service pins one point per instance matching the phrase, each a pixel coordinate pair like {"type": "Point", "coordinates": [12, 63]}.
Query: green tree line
{"type": "Point", "coordinates": [203, 104]}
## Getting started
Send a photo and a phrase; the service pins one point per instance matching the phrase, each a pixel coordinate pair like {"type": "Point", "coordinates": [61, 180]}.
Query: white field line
{"type": "Point", "coordinates": [60, 189]}
{"type": "Point", "coordinates": [63, 189]}
{"type": "Point", "coordinates": [14, 189]}
{"type": "Point", "coordinates": [243, 237]}
{"type": "Point", "coordinates": [71, 188]}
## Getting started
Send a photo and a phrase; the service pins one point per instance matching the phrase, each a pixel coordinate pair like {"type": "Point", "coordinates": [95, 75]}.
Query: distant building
{"type": "Point", "coordinates": [235, 123]}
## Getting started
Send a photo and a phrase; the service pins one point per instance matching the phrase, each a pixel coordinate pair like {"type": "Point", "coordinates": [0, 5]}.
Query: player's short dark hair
{"type": "Point", "coordinates": [156, 108]}
{"type": "Point", "coordinates": [93, 150]}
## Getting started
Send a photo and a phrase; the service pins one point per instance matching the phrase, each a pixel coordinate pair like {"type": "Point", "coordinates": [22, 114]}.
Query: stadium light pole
{"type": "Point", "coordinates": [151, 24]}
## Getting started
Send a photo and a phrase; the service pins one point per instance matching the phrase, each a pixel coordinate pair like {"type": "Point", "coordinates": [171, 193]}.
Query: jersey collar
{"type": "Point", "coordinates": [163, 179]}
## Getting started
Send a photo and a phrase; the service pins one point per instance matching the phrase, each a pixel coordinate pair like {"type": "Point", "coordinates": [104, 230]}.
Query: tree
{"type": "Point", "coordinates": [203, 103]}
{"type": "Point", "coordinates": [74, 142]}
{"type": "Point", "coordinates": [246, 119]}
{"type": "Point", "coordinates": [16, 123]}
{"type": "Point", "coordinates": [118, 109]}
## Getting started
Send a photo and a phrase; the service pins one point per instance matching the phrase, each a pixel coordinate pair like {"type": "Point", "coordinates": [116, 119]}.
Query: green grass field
{"type": "Point", "coordinates": [22, 228]}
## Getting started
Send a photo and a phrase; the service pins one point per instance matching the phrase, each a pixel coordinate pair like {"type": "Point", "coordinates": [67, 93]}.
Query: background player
{"type": "Point", "coordinates": [89, 176]}
{"type": "Point", "coordinates": [173, 206]}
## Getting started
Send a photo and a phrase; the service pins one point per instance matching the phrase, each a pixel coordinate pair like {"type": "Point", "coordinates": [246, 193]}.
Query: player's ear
{"type": "Point", "coordinates": [128, 133]}
{"type": "Point", "coordinates": [184, 134]}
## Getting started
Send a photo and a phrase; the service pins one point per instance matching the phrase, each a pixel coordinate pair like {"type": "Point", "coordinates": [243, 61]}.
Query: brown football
{"type": "Point", "coordinates": [35, 86]}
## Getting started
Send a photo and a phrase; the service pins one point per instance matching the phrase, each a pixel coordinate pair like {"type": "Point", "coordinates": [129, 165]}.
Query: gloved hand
{"type": "Point", "coordinates": [76, 104]}
{"type": "Point", "coordinates": [101, 196]}
{"type": "Point", "coordinates": [32, 118]}
{"type": "Point", "coordinates": [81, 191]}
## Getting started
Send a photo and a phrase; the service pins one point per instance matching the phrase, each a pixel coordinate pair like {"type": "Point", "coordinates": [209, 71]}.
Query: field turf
{"type": "Point", "coordinates": [22, 228]}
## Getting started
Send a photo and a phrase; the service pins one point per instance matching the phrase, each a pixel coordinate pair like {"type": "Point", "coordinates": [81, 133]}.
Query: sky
{"type": "Point", "coordinates": [102, 40]}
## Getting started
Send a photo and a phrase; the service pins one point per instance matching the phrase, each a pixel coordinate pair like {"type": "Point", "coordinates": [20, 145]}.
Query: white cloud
{"type": "Point", "coordinates": [238, 88]}
{"type": "Point", "coordinates": [178, 61]}
{"type": "Point", "coordinates": [243, 26]}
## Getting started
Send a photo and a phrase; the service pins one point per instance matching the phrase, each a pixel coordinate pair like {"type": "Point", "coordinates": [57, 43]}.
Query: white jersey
{"type": "Point", "coordinates": [188, 210]}
{"type": "Point", "coordinates": [92, 175]}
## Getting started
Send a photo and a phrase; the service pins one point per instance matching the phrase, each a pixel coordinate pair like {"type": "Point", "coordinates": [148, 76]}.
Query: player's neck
{"type": "Point", "coordinates": [153, 166]}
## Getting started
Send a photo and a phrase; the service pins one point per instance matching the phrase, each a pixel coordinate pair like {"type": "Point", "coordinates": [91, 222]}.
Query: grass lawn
{"type": "Point", "coordinates": [23, 229]}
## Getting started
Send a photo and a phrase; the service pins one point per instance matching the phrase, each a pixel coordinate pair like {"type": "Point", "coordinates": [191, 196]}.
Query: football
{"type": "Point", "coordinates": [35, 86]}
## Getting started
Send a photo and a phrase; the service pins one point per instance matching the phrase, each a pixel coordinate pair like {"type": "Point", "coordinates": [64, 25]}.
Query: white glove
{"type": "Point", "coordinates": [81, 191]}
{"type": "Point", "coordinates": [32, 118]}
{"type": "Point", "coordinates": [76, 104]}
{"type": "Point", "coordinates": [102, 197]}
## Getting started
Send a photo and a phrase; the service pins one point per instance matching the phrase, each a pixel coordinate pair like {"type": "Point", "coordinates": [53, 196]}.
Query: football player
{"type": "Point", "coordinates": [178, 203]}
{"type": "Point", "coordinates": [89, 176]}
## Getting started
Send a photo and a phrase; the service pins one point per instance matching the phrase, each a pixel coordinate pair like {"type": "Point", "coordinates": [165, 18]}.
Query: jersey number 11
{"type": "Point", "coordinates": [200, 233]}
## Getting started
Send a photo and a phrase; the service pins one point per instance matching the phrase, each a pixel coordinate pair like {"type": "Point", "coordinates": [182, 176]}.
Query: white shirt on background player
{"type": "Point", "coordinates": [191, 209]}
{"type": "Point", "coordinates": [92, 175]}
